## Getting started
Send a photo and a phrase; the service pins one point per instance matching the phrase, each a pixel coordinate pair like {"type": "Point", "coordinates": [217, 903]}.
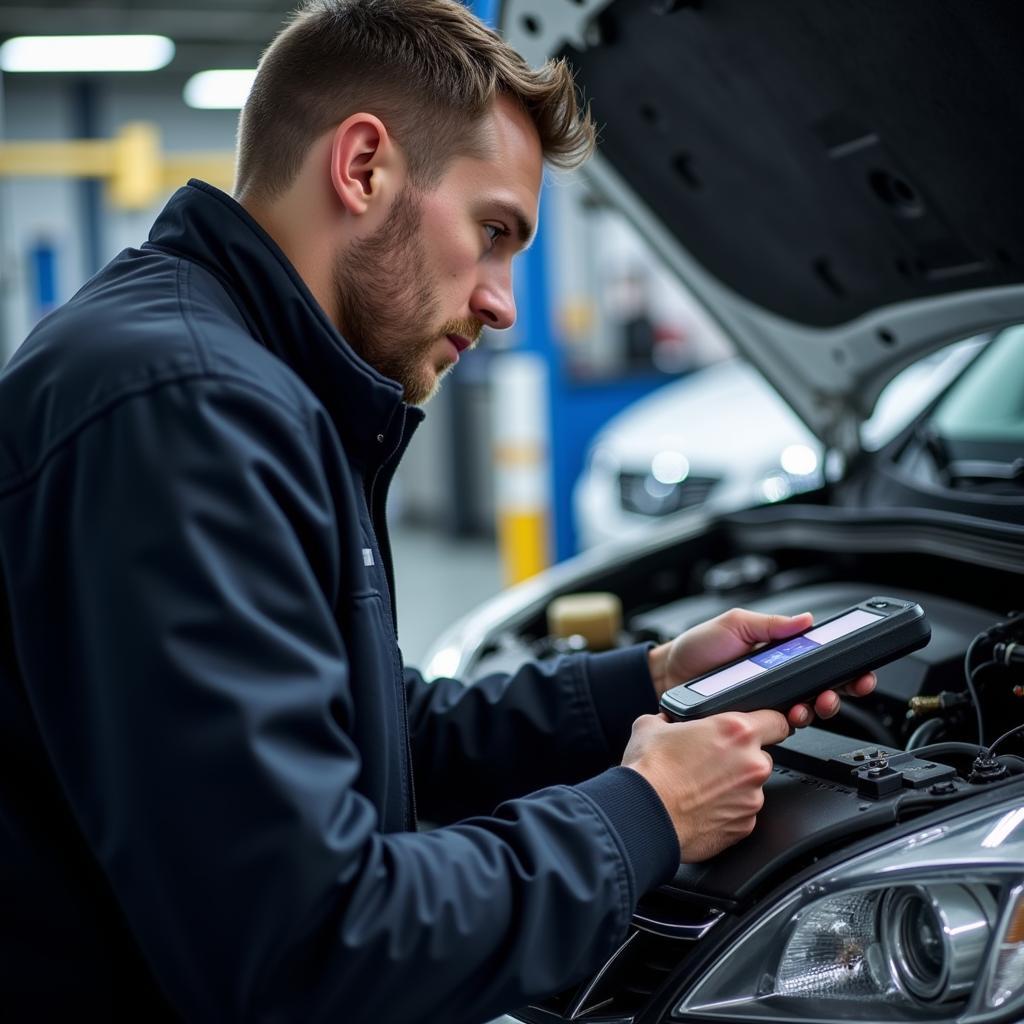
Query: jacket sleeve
{"type": "Point", "coordinates": [185, 682]}
{"type": "Point", "coordinates": [506, 735]}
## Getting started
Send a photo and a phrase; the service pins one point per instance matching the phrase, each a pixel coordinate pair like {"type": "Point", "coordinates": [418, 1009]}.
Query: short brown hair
{"type": "Point", "coordinates": [429, 69]}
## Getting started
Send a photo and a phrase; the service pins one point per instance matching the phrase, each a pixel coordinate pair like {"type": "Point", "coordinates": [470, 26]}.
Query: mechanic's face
{"type": "Point", "coordinates": [420, 290]}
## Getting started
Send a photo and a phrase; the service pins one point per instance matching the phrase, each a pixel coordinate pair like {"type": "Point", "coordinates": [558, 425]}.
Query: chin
{"type": "Point", "coordinates": [424, 389]}
{"type": "Point", "coordinates": [441, 377]}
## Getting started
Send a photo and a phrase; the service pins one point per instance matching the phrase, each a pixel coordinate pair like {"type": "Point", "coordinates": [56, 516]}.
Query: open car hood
{"type": "Point", "coordinates": [841, 184]}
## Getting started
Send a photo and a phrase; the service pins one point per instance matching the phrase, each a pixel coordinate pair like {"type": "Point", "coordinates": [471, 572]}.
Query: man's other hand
{"type": "Point", "coordinates": [732, 635]}
{"type": "Point", "coordinates": [709, 773]}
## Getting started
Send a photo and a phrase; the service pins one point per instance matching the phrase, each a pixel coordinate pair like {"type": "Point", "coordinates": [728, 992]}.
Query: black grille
{"type": "Point", "coordinates": [641, 966]}
{"type": "Point", "coordinates": [668, 929]}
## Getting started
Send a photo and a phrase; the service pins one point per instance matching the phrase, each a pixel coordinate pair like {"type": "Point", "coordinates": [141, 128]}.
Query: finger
{"type": "Point", "coordinates": [800, 715]}
{"type": "Point", "coordinates": [826, 704]}
{"type": "Point", "coordinates": [865, 685]}
{"type": "Point", "coordinates": [860, 687]}
{"type": "Point", "coordinates": [769, 726]}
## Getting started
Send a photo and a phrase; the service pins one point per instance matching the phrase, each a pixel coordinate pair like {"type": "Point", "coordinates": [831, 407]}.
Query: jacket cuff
{"type": "Point", "coordinates": [621, 689]}
{"type": "Point", "coordinates": [640, 823]}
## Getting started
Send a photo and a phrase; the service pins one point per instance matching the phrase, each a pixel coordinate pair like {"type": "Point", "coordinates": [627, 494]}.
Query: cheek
{"type": "Point", "coordinates": [456, 268]}
{"type": "Point", "coordinates": [453, 244]}
{"type": "Point", "coordinates": [459, 257]}
{"type": "Point", "coordinates": [452, 255]}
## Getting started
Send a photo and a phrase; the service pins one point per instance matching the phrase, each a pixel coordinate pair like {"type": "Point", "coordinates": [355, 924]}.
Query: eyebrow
{"type": "Point", "coordinates": [524, 228]}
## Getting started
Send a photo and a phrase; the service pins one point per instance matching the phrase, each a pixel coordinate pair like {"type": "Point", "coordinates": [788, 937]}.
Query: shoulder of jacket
{"type": "Point", "coordinates": [147, 321]}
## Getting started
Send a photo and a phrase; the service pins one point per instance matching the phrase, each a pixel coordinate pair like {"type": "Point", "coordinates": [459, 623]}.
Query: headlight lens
{"type": "Point", "coordinates": [919, 957]}
{"type": "Point", "coordinates": [905, 933]}
{"type": "Point", "coordinates": [936, 937]}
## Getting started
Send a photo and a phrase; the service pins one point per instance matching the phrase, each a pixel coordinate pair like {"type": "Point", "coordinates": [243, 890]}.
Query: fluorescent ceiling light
{"type": "Point", "coordinates": [86, 53]}
{"type": "Point", "coordinates": [226, 89]}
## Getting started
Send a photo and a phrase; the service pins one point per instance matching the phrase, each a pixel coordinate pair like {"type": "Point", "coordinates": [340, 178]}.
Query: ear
{"type": "Point", "coordinates": [365, 163]}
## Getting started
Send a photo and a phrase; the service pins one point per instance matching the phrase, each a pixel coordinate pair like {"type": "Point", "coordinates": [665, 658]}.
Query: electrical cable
{"type": "Point", "coordinates": [984, 665]}
{"type": "Point", "coordinates": [972, 683]}
{"type": "Point", "coordinates": [935, 750]}
{"type": "Point", "coordinates": [1002, 654]}
{"type": "Point", "coordinates": [1006, 735]}
{"type": "Point", "coordinates": [969, 675]}
{"type": "Point", "coordinates": [918, 799]}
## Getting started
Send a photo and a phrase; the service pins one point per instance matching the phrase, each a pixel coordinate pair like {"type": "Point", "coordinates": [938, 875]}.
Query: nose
{"type": "Point", "coordinates": [493, 303]}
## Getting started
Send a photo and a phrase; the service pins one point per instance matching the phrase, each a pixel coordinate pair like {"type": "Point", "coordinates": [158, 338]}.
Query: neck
{"type": "Point", "coordinates": [291, 223]}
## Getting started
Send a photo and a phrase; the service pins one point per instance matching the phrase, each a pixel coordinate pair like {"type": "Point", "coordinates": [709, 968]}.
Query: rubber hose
{"type": "Point", "coordinates": [924, 732]}
{"type": "Point", "coordinates": [866, 723]}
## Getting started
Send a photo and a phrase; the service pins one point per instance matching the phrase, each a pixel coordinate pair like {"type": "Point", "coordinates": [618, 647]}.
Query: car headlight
{"type": "Point", "coordinates": [799, 470]}
{"type": "Point", "coordinates": [913, 943]}
{"type": "Point", "coordinates": [647, 495]}
{"type": "Point", "coordinates": [926, 928]}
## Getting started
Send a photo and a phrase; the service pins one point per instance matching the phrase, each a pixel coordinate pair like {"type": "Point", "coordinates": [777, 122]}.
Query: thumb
{"type": "Point", "coordinates": [757, 628]}
{"type": "Point", "coordinates": [770, 726]}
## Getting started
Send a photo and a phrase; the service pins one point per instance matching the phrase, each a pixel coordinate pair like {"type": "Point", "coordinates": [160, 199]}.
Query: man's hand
{"type": "Point", "coordinates": [731, 635]}
{"type": "Point", "coordinates": [708, 773]}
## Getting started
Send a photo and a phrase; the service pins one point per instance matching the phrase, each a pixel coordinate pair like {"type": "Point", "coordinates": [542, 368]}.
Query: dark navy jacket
{"type": "Point", "coordinates": [211, 755]}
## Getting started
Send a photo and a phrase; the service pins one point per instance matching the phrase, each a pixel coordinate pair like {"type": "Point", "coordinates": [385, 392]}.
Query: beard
{"type": "Point", "coordinates": [386, 301]}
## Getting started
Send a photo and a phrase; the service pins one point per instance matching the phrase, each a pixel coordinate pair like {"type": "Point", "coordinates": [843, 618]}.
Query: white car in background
{"type": "Point", "coordinates": [723, 435]}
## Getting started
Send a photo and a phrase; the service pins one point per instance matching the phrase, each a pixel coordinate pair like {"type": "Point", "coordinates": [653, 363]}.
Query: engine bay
{"type": "Point", "coordinates": [770, 560]}
{"type": "Point", "coordinates": [886, 765]}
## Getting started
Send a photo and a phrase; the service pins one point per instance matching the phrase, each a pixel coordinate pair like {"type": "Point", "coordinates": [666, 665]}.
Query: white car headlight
{"type": "Point", "coordinates": [926, 928]}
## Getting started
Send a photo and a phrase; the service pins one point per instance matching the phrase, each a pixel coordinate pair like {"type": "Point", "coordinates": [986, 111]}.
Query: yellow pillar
{"type": "Point", "coordinates": [522, 477]}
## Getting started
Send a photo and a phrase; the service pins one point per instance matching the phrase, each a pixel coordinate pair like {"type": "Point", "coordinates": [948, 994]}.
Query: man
{"type": "Point", "coordinates": [211, 757]}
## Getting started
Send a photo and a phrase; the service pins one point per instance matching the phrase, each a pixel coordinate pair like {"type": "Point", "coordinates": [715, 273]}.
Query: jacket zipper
{"type": "Point", "coordinates": [380, 529]}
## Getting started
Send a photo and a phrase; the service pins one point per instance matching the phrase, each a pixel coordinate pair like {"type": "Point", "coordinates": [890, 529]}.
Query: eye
{"type": "Point", "coordinates": [494, 232]}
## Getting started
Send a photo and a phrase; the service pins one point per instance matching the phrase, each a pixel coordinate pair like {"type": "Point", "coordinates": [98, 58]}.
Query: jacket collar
{"type": "Point", "coordinates": [203, 224]}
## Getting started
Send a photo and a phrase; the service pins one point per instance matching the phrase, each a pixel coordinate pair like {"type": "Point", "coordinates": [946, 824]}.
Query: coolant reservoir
{"type": "Point", "coordinates": [597, 617]}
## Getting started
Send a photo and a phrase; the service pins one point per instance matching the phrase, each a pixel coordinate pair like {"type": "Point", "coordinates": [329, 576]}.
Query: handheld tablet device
{"type": "Point", "coordinates": [785, 672]}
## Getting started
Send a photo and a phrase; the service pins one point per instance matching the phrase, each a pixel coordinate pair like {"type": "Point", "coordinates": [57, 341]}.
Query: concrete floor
{"type": "Point", "coordinates": [437, 580]}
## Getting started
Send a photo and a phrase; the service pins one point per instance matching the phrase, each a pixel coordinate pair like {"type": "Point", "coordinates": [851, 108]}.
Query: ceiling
{"type": "Point", "coordinates": [215, 33]}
